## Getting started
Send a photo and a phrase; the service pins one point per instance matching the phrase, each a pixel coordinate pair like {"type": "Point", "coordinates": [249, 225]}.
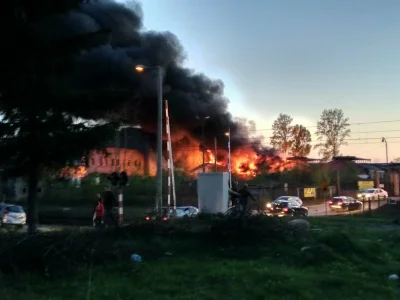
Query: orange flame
{"type": "Point", "coordinates": [188, 157]}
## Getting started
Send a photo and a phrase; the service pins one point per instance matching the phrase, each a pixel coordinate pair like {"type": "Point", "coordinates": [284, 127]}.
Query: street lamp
{"type": "Point", "coordinates": [385, 141]}
{"type": "Point", "coordinates": [203, 148]}
{"type": "Point", "coordinates": [159, 69]}
{"type": "Point", "coordinates": [228, 134]}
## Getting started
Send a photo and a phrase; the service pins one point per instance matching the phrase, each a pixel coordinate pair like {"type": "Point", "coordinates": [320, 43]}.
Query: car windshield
{"type": "Point", "coordinates": [370, 191]}
{"type": "Point", "coordinates": [15, 209]}
{"type": "Point", "coordinates": [283, 198]}
{"type": "Point", "coordinates": [180, 212]}
{"type": "Point", "coordinates": [337, 199]}
{"type": "Point", "coordinates": [280, 204]}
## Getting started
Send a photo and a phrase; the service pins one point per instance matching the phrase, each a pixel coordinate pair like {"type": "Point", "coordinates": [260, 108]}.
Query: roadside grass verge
{"type": "Point", "coordinates": [212, 258]}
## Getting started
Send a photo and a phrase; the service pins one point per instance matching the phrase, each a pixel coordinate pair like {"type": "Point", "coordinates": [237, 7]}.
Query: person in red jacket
{"type": "Point", "coordinates": [99, 213]}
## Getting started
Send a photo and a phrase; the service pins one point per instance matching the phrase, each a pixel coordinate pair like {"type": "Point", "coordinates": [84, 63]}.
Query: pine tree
{"type": "Point", "coordinates": [43, 114]}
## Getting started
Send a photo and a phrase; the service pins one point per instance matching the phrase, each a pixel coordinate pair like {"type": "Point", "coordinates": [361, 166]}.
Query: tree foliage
{"type": "Point", "coordinates": [300, 141]}
{"type": "Point", "coordinates": [282, 133]}
{"type": "Point", "coordinates": [332, 131]}
{"type": "Point", "coordinates": [40, 104]}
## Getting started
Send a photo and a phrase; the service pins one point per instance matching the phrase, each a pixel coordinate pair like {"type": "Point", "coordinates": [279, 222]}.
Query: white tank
{"type": "Point", "coordinates": [212, 192]}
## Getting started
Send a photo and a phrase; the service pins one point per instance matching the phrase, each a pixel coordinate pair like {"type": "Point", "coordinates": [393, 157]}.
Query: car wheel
{"type": "Point", "coordinates": [305, 214]}
{"type": "Point", "coordinates": [292, 214]}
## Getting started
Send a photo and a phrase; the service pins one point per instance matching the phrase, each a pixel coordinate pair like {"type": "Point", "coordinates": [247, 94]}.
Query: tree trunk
{"type": "Point", "coordinates": [33, 181]}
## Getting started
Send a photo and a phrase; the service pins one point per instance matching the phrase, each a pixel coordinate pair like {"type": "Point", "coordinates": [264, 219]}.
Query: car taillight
{"type": "Point", "coordinates": [285, 209]}
{"type": "Point", "coordinates": [271, 208]}
{"type": "Point", "coordinates": [147, 218]}
{"type": "Point", "coordinates": [330, 202]}
{"type": "Point", "coordinates": [164, 219]}
{"type": "Point", "coordinates": [340, 203]}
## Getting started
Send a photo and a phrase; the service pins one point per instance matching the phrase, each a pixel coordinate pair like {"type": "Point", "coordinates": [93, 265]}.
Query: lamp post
{"type": "Point", "coordinates": [228, 134]}
{"type": "Point", "coordinates": [159, 69]}
{"type": "Point", "coordinates": [203, 148]}
{"type": "Point", "coordinates": [387, 157]}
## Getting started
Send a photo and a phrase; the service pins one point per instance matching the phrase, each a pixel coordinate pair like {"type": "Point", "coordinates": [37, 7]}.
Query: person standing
{"type": "Point", "coordinates": [234, 193]}
{"type": "Point", "coordinates": [244, 195]}
{"type": "Point", "coordinates": [99, 213]}
{"type": "Point", "coordinates": [110, 202]}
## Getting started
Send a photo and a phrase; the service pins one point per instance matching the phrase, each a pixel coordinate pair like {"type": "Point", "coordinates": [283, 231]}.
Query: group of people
{"type": "Point", "coordinates": [103, 214]}
{"type": "Point", "coordinates": [240, 196]}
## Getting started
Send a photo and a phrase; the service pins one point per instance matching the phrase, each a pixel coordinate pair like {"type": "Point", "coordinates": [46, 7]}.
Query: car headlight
{"type": "Point", "coordinates": [268, 205]}
{"type": "Point", "coordinates": [359, 195]}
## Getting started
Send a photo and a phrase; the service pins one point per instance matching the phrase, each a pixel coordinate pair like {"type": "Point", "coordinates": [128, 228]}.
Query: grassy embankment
{"type": "Point", "coordinates": [347, 258]}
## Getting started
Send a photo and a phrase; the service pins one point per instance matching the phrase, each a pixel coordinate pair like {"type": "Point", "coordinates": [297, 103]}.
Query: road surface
{"type": "Point", "coordinates": [319, 210]}
{"type": "Point", "coordinates": [323, 209]}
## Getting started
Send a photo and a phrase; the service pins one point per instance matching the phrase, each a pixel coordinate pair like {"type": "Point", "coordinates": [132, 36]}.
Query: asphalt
{"type": "Point", "coordinates": [323, 209]}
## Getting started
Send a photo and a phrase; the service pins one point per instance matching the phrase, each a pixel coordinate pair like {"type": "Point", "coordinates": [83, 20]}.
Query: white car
{"type": "Point", "coordinates": [12, 215]}
{"type": "Point", "coordinates": [373, 194]}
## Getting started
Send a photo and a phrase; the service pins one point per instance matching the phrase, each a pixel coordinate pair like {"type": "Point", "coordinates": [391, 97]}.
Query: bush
{"type": "Point", "coordinates": [62, 253]}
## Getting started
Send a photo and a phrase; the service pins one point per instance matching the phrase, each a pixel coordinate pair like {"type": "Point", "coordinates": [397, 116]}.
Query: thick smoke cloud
{"type": "Point", "coordinates": [190, 94]}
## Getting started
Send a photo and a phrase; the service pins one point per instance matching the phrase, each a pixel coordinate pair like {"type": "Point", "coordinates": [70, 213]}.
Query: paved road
{"type": "Point", "coordinates": [323, 209]}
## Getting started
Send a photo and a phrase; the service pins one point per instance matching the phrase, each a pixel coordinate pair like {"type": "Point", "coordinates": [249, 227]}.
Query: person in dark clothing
{"type": "Point", "coordinates": [98, 198]}
{"type": "Point", "coordinates": [234, 193]}
{"type": "Point", "coordinates": [244, 195]}
{"type": "Point", "coordinates": [109, 203]}
{"type": "Point", "coordinates": [99, 213]}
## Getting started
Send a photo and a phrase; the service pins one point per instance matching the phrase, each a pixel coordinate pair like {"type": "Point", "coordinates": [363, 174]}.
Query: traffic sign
{"type": "Point", "coordinates": [309, 193]}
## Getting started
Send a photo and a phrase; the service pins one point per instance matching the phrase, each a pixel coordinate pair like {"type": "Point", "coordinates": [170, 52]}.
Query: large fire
{"type": "Point", "coordinates": [188, 157]}
{"type": "Point", "coordinates": [245, 162]}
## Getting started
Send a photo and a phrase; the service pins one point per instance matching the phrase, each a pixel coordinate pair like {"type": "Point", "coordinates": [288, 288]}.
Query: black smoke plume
{"type": "Point", "coordinates": [190, 94]}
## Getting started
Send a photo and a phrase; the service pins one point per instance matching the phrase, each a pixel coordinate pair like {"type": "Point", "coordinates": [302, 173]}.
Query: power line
{"type": "Point", "coordinates": [193, 148]}
{"type": "Point", "coordinates": [351, 124]}
{"type": "Point", "coordinates": [254, 139]}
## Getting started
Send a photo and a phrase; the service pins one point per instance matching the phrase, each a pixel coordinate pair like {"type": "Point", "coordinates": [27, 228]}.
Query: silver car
{"type": "Point", "coordinates": [12, 215]}
{"type": "Point", "coordinates": [186, 211]}
{"type": "Point", "coordinates": [290, 198]}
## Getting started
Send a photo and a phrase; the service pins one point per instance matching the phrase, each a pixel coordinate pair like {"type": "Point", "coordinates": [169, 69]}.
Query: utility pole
{"type": "Point", "coordinates": [228, 134]}
{"type": "Point", "coordinates": [215, 154]}
{"type": "Point", "coordinates": [387, 156]}
{"type": "Point", "coordinates": [159, 187]}
{"type": "Point", "coordinates": [203, 146]}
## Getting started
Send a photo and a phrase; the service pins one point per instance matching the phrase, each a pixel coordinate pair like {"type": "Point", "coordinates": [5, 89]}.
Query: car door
{"type": "Point", "coordinates": [294, 205]}
{"type": "Point", "coordinates": [351, 203]}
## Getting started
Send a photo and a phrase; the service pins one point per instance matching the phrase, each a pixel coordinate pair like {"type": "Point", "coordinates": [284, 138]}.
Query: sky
{"type": "Point", "coordinates": [298, 58]}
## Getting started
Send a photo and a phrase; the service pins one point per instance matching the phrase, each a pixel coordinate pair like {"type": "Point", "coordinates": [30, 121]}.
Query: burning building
{"type": "Point", "coordinates": [130, 151]}
{"type": "Point", "coordinates": [133, 151]}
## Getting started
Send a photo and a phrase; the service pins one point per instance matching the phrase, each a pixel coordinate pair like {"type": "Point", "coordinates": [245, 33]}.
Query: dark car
{"type": "Point", "coordinates": [282, 208]}
{"type": "Point", "coordinates": [344, 203]}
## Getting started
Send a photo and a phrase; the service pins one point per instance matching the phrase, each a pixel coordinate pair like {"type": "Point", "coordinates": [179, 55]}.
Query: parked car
{"type": "Point", "coordinates": [290, 198]}
{"type": "Point", "coordinates": [282, 208]}
{"type": "Point", "coordinates": [343, 203]}
{"type": "Point", "coordinates": [167, 213]}
{"type": "Point", "coordinates": [12, 215]}
{"type": "Point", "coordinates": [373, 194]}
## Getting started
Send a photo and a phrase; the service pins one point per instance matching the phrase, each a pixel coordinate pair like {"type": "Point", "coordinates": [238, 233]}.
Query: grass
{"type": "Point", "coordinates": [211, 259]}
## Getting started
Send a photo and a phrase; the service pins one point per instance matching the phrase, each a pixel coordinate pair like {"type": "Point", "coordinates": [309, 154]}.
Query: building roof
{"type": "Point", "coordinates": [349, 158]}
{"type": "Point", "coordinates": [303, 158]}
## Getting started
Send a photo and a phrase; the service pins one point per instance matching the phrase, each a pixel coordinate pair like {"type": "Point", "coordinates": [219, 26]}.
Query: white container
{"type": "Point", "coordinates": [212, 192]}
